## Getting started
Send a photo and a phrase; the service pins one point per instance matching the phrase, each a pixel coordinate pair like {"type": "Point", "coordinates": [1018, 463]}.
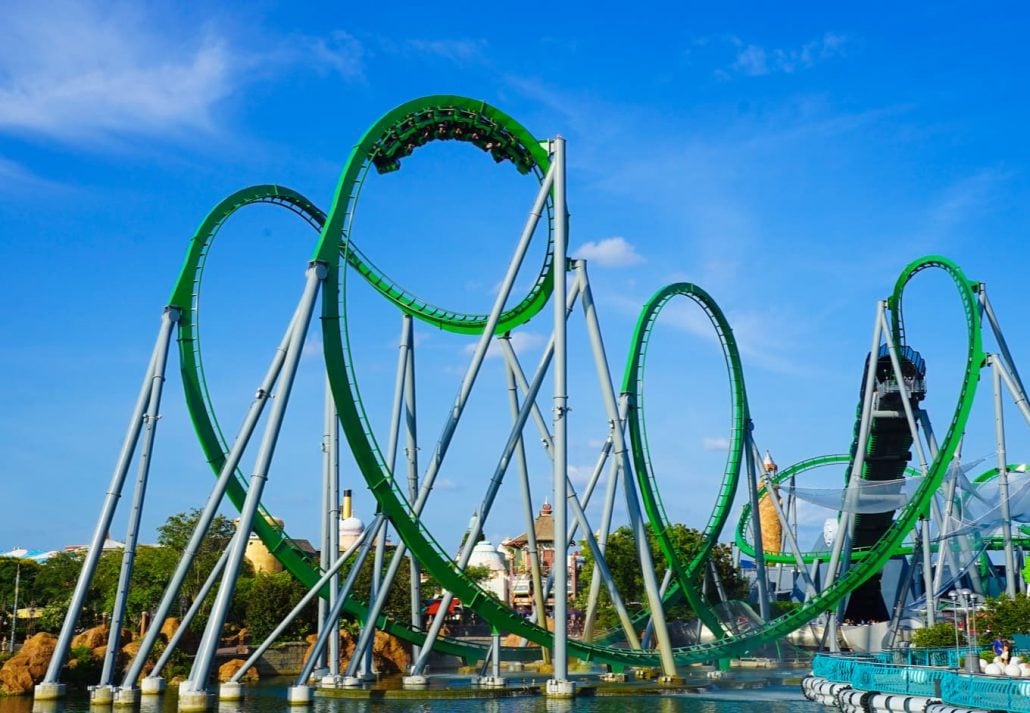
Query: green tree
{"type": "Point", "coordinates": [268, 599]}
{"type": "Point", "coordinates": [624, 564]}
{"type": "Point", "coordinates": [939, 635]}
{"type": "Point", "coordinates": [1005, 617]}
{"type": "Point", "coordinates": [175, 535]}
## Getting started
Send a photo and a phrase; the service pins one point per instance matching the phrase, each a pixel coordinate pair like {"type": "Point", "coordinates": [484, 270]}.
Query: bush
{"type": "Point", "coordinates": [938, 635]}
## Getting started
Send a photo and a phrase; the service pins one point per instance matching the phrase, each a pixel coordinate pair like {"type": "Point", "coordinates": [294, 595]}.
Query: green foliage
{"type": "Point", "coordinates": [938, 635]}
{"type": "Point", "coordinates": [1005, 617]}
{"type": "Point", "coordinates": [175, 534]}
{"type": "Point", "coordinates": [83, 669]}
{"type": "Point", "coordinates": [398, 603]}
{"type": "Point", "coordinates": [269, 599]}
{"type": "Point", "coordinates": [624, 564]}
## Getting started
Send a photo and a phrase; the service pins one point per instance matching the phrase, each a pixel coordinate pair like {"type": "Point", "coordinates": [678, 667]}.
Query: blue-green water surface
{"type": "Point", "coordinates": [742, 692]}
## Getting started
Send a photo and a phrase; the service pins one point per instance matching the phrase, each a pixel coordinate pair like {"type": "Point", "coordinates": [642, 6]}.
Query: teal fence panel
{"type": "Point", "coordinates": [986, 692]}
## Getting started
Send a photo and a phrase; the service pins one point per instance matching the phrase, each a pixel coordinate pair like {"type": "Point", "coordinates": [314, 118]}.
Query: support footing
{"type": "Point", "coordinates": [194, 701]}
{"type": "Point", "coordinates": [414, 681]}
{"type": "Point", "coordinates": [559, 688]}
{"type": "Point", "coordinates": [298, 695]}
{"type": "Point", "coordinates": [152, 685]}
{"type": "Point", "coordinates": [351, 681]}
{"type": "Point", "coordinates": [49, 691]}
{"type": "Point", "coordinates": [101, 695]}
{"type": "Point", "coordinates": [492, 682]}
{"type": "Point", "coordinates": [613, 677]}
{"type": "Point", "coordinates": [670, 680]}
{"type": "Point", "coordinates": [125, 697]}
{"type": "Point", "coordinates": [230, 691]}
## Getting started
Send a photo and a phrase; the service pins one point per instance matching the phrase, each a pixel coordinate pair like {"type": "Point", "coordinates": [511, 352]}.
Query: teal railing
{"type": "Point", "coordinates": [986, 692]}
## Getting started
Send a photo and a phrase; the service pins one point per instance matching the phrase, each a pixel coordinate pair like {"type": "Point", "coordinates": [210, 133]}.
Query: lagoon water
{"type": "Point", "coordinates": [743, 691]}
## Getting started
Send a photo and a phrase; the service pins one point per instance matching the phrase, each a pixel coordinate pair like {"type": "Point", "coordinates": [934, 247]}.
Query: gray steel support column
{"type": "Point", "coordinates": [931, 599]}
{"type": "Point", "coordinates": [191, 613]}
{"type": "Point", "coordinates": [323, 555]}
{"type": "Point", "coordinates": [479, 353]}
{"type": "Point", "coordinates": [411, 453]}
{"type": "Point", "coordinates": [906, 403]}
{"type": "Point", "coordinates": [476, 527]}
{"type": "Point", "coordinates": [366, 540]}
{"type": "Point", "coordinates": [1003, 346]}
{"type": "Point", "coordinates": [559, 414]}
{"type": "Point", "coordinates": [601, 566]}
{"type": "Point", "coordinates": [854, 480]}
{"type": "Point", "coordinates": [615, 416]}
{"type": "Point", "coordinates": [645, 640]}
{"type": "Point", "coordinates": [333, 481]}
{"type": "Point", "coordinates": [228, 472]}
{"type": "Point", "coordinates": [332, 572]}
{"type": "Point", "coordinates": [1016, 389]}
{"type": "Point", "coordinates": [316, 272]}
{"type": "Point", "coordinates": [1003, 480]}
{"type": "Point", "coordinates": [171, 315]}
{"type": "Point", "coordinates": [527, 504]}
{"type": "Point", "coordinates": [114, 491]}
{"type": "Point", "coordinates": [761, 576]}
{"type": "Point", "coordinates": [365, 652]}
{"type": "Point", "coordinates": [606, 524]}
{"type": "Point", "coordinates": [367, 632]}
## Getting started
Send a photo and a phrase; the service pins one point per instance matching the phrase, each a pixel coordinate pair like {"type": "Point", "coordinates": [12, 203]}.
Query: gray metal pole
{"type": "Point", "coordinates": [191, 614]}
{"type": "Point", "coordinates": [316, 272]}
{"type": "Point", "coordinates": [324, 561]}
{"type": "Point", "coordinates": [615, 415]}
{"type": "Point", "coordinates": [560, 411]}
{"type": "Point", "coordinates": [332, 572]}
{"type": "Point", "coordinates": [114, 491]}
{"type": "Point", "coordinates": [527, 504]}
{"type": "Point", "coordinates": [761, 576]}
{"type": "Point", "coordinates": [931, 599]}
{"type": "Point", "coordinates": [1003, 480]}
{"type": "Point", "coordinates": [214, 500]}
{"type": "Point", "coordinates": [367, 538]}
{"type": "Point", "coordinates": [411, 452]}
{"type": "Point", "coordinates": [606, 524]}
{"type": "Point", "coordinates": [333, 481]}
{"type": "Point", "coordinates": [1003, 346]}
{"type": "Point", "coordinates": [171, 314]}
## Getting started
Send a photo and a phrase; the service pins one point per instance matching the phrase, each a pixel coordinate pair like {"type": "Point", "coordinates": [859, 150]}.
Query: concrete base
{"type": "Point", "coordinates": [194, 701]}
{"type": "Point", "coordinates": [298, 695]}
{"type": "Point", "coordinates": [670, 680]}
{"type": "Point", "coordinates": [367, 677]}
{"type": "Point", "coordinates": [514, 665]}
{"type": "Point", "coordinates": [230, 691]}
{"type": "Point", "coordinates": [351, 682]}
{"type": "Point", "coordinates": [185, 686]}
{"type": "Point", "coordinates": [328, 681]}
{"type": "Point", "coordinates": [152, 685]}
{"type": "Point", "coordinates": [557, 688]}
{"type": "Point", "coordinates": [492, 682]}
{"type": "Point", "coordinates": [101, 695]}
{"type": "Point", "coordinates": [124, 697]}
{"type": "Point", "coordinates": [613, 677]}
{"type": "Point", "coordinates": [415, 681]}
{"type": "Point", "coordinates": [49, 691]}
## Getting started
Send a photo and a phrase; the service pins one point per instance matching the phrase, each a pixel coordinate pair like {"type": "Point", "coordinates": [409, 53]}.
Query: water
{"type": "Point", "coordinates": [743, 692]}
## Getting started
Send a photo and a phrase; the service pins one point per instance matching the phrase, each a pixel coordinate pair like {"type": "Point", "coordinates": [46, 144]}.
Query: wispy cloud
{"type": "Point", "coordinates": [715, 443]}
{"type": "Point", "coordinates": [82, 72]}
{"type": "Point", "coordinates": [615, 251]}
{"type": "Point", "coordinates": [755, 61]}
{"type": "Point", "coordinates": [459, 50]}
{"type": "Point", "coordinates": [965, 197]}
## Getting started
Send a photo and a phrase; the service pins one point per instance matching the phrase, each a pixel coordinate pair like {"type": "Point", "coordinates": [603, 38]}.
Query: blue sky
{"type": "Point", "coordinates": [790, 162]}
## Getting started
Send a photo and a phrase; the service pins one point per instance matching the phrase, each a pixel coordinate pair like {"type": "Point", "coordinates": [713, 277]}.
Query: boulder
{"type": "Point", "coordinates": [91, 638]}
{"type": "Point", "coordinates": [169, 628]}
{"type": "Point", "coordinates": [132, 648]}
{"type": "Point", "coordinates": [26, 668]}
{"type": "Point", "coordinates": [389, 654]}
{"type": "Point", "coordinates": [228, 669]}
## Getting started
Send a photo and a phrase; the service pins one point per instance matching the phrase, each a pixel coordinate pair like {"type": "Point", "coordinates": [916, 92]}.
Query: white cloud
{"type": "Point", "coordinates": [756, 61]}
{"type": "Point", "coordinates": [86, 71]}
{"type": "Point", "coordinates": [715, 443]}
{"type": "Point", "coordinates": [462, 50]}
{"type": "Point", "coordinates": [615, 251]}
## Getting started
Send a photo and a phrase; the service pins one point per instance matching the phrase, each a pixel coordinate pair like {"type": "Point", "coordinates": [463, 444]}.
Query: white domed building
{"type": "Point", "coordinates": [486, 555]}
{"type": "Point", "coordinates": [351, 526]}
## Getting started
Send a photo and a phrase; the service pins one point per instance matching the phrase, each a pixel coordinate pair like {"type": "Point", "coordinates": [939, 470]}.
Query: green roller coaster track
{"type": "Point", "coordinates": [383, 147]}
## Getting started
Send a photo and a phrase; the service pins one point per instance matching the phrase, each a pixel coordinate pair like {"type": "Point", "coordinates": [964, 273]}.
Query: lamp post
{"type": "Point", "coordinates": [972, 662]}
{"type": "Point", "coordinates": [953, 596]}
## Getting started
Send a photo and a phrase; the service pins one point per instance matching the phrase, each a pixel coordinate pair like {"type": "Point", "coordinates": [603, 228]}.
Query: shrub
{"type": "Point", "coordinates": [938, 635]}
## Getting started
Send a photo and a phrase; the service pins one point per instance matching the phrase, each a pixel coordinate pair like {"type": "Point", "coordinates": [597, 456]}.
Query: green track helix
{"type": "Point", "coordinates": [383, 148]}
